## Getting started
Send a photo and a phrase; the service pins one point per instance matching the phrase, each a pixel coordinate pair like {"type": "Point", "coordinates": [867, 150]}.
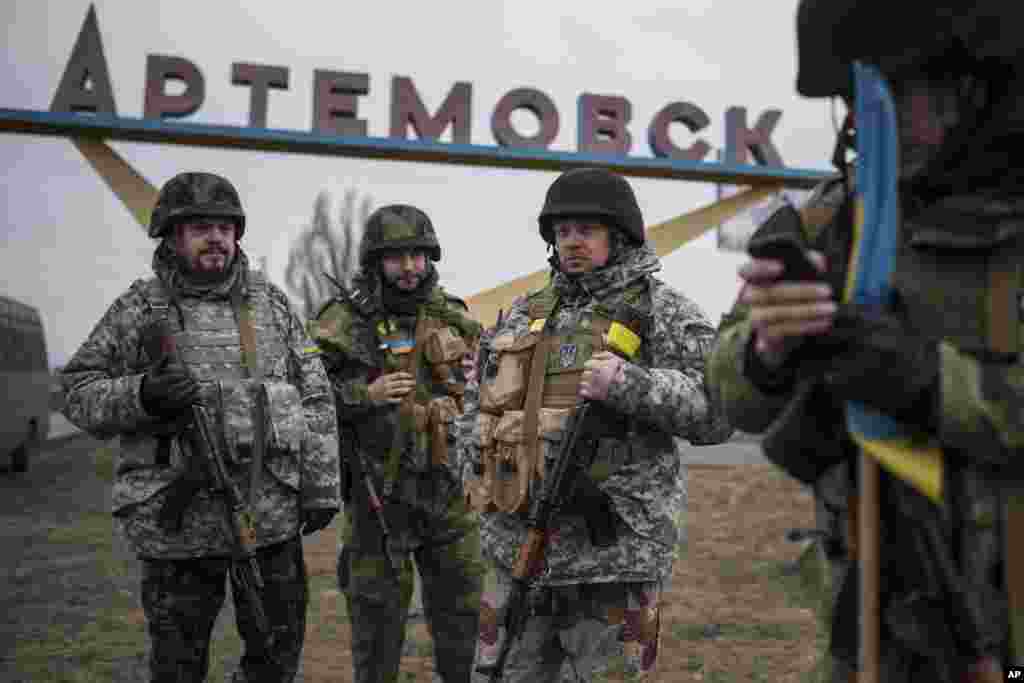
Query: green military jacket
{"type": "Point", "coordinates": [361, 340]}
{"type": "Point", "coordinates": [959, 278]}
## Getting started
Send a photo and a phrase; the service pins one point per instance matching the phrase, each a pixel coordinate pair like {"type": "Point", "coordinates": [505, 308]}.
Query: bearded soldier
{"type": "Point", "coordinates": [604, 331]}
{"type": "Point", "coordinates": [244, 356]}
{"type": "Point", "coordinates": [943, 360]}
{"type": "Point", "coordinates": [394, 345]}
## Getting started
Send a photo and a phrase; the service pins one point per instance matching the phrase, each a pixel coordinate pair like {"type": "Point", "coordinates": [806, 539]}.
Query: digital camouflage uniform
{"type": "Point", "coordinates": [958, 282]}
{"type": "Point", "coordinates": [596, 608]}
{"type": "Point", "coordinates": [183, 572]}
{"type": "Point", "coordinates": [369, 330]}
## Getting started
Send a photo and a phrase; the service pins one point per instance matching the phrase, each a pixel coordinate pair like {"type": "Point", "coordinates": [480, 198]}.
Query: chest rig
{"type": "Point", "coordinates": [530, 387]}
{"type": "Point", "coordinates": [429, 346]}
{"type": "Point", "coordinates": [238, 354]}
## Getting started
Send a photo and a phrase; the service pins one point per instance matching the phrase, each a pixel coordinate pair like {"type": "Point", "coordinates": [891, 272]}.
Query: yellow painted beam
{"type": "Point", "coordinates": [136, 193]}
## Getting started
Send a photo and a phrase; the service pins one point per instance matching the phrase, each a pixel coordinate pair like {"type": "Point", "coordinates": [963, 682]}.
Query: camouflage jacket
{"type": "Point", "coordinates": [663, 396]}
{"type": "Point", "coordinates": [349, 331]}
{"type": "Point", "coordinates": [952, 254]}
{"type": "Point", "coordinates": [102, 388]}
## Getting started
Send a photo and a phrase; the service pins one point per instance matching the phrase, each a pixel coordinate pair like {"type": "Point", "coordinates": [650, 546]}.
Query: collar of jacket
{"type": "Point", "coordinates": [168, 269]}
{"type": "Point", "coordinates": [634, 264]}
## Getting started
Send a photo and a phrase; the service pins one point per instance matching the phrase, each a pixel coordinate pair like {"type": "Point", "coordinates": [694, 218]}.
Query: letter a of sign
{"type": "Point", "coordinates": [85, 85]}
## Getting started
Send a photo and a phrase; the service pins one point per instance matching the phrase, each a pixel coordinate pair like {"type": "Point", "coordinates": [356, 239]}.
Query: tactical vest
{"type": "Point", "coordinates": [430, 347]}
{"type": "Point", "coordinates": [529, 387]}
{"type": "Point", "coordinates": [208, 339]}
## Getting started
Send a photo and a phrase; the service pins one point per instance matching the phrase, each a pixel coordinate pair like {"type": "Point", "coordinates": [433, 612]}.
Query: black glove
{"type": "Point", "coordinates": [875, 358]}
{"type": "Point", "coordinates": [316, 520]}
{"type": "Point", "coordinates": [167, 391]}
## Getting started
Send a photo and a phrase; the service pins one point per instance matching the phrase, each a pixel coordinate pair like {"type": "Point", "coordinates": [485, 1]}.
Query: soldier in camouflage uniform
{"type": "Point", "coordinates": [597, 604]}
{"type": "Point", "coordinates": [945, 361]}
{"type": "Point", "coordinates": [113, 387]}
{"type": "Point", "coordinates": [394, 345]}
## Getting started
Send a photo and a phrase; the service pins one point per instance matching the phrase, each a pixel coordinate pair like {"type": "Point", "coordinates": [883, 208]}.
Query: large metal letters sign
{"type": "Point", "coordinates": [84, 105]}
{"type": "Point", "coordinates": [84, 109]}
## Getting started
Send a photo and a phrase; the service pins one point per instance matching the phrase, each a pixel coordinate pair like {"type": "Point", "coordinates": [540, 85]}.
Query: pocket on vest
{"type": "Point", "coordinates": [506, 389]}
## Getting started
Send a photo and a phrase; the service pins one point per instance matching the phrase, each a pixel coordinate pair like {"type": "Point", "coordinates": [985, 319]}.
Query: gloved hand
{"type": "Point", "coordinates": [316, 520]}
{"type": "Point", "coordinates": [168, 390]}
{"type": "Point", "coordinates": [876, 359]}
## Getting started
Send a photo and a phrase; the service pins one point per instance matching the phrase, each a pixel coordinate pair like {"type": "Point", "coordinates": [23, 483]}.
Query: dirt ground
{"type": "Point", "coordinates": [735, 610]}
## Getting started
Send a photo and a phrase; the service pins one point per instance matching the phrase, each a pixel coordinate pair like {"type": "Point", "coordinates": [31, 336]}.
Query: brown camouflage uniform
{"type": "Point", "coordinates": [184, 571]}
{"type": "Point", "coordinates": [597, 608]}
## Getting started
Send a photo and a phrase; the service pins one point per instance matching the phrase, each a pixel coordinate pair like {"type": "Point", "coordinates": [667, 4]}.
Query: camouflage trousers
{"type": "Point", "coordinates": [182, 598]}
{"type": "Point", "coordinates": [428, 520]}
{"type": "Point", "coordinates": [596, 631]}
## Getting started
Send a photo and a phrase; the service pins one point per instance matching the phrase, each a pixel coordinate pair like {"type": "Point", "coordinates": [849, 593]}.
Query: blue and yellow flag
{"type": "Point", "coordinates": [907, 453]}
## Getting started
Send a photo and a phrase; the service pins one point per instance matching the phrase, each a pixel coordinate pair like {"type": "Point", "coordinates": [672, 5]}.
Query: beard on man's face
{"type": "Point", "coordinates": [210, 264]}
{"type": "Point", "coordinates": [407, 282]}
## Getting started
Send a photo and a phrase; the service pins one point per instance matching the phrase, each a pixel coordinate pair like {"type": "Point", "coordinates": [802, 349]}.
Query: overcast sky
{"type": "Point", "coordinates": [69, 247]}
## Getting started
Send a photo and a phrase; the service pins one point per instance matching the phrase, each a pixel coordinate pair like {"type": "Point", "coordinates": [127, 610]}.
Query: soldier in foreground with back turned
{"type": "Point", "coordinates": [394, 345]}
{"type": "Point", "coordinates": [942, 360]}
{"type": "Point", "coordinates": [213, 387]}
{"type": "Point", "coordinates": [608, 340]}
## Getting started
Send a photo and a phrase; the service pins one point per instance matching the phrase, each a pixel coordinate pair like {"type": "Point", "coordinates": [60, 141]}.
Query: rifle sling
{"type": "Point", "coordinates": [250, 360]}
{"type": "Point", "coordinates": [532, 402]}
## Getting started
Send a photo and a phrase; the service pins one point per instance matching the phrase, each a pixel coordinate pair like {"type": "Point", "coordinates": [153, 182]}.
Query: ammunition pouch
{"type": "Point", "coordinates": [505, 389]}
{"type": "Point", "coordinates": [285, 421]}
{"type": "Point", "coordinates": [509, 474]}
{"type": "Point", "coordinates": [444, 350]}
{"type": "Point", "coordinates": [481, 482]}
{"type": "Point", "coordinates": [440, 414]}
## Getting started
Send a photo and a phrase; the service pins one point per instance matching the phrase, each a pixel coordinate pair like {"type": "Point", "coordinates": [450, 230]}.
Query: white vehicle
{"type": "Point", "coordinates": [24, 383]}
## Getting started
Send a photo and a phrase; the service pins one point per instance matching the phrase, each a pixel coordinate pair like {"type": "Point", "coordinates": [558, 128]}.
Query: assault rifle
{"type": "Point", "coordinates": [559, 488]}
{"type": "Point", "coordinates": [204, 456]}
{"type": "Point", "coordinates": [360, 466]}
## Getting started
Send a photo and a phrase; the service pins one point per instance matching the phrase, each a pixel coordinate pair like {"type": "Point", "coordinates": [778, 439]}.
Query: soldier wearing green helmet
{"type": "Point", "coordinates": [121, 383]}
{"type": "Point", "coordinates": [394, 344]}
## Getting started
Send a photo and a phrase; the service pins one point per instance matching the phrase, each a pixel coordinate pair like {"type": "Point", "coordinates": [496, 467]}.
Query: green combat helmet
{"type": "Point", "coordinates": [592, 192]}
{"type": "Point", "coordinates": [193, 195]}
{"type": "Point", "coordinates": [398, 226]}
